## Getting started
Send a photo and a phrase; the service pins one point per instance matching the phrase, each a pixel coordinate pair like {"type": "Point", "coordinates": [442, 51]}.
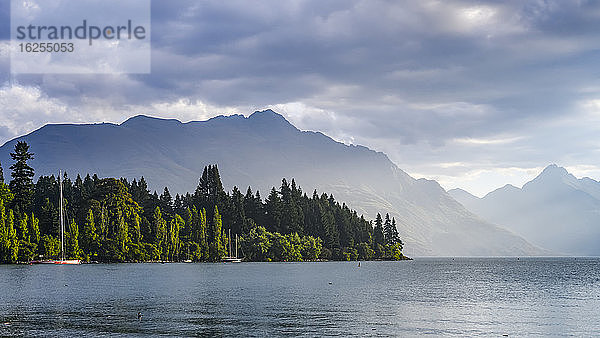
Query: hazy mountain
{"type": "Point", "coordinates": [259, 150]}
{"type": "Point", "coordinates": [555, 210]}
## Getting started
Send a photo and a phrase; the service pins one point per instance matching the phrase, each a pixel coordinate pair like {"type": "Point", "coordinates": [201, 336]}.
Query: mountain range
{"type": "Point", "coordinates": [556, 211]}
{"type": "Point", "coordinates": [260, 150]}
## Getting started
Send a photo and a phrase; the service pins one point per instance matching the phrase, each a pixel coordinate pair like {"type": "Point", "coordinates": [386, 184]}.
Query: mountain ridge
{"type": "Point", "coordinates": [555, 210]}
{"type": "Point", "coordinates": [258, 151]}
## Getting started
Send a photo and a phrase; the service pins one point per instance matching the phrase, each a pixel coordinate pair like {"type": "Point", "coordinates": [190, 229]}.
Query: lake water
{"type": "Point", "coordinates": [442, 296]}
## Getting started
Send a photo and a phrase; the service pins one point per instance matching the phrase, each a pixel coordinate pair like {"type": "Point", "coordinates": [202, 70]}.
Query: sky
{"type": "Point", "coordinates": [473, 94]}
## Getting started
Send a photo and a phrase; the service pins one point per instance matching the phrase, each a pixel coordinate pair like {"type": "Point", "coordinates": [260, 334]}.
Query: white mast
{"type": "Point", "coordinates": [229, 242]}
{"type": "Point", "coordinates": [62, 223]}
{"type": "Point", "coordinates": [236, 240]}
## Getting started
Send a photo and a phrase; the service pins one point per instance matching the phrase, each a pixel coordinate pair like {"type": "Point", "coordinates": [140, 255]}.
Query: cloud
{"type": "Point", "coordinates": [491, 85]}
{"type": "Point", "coordinates": [24, 108]}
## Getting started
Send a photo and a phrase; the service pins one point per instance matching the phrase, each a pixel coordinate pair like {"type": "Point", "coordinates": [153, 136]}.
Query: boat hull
{"type": "Point", "coordinates": [60, 262]}
{"type": "Point", "coordinates": [68, 262]}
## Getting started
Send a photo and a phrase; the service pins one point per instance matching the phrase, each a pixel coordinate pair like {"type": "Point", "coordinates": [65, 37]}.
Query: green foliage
{"type": "Point", "coordinates": [218, 241]}
{"type": "Point", "coordinates": [26, 251]}
{"type": "Point", "coordinates": [113, 220]}
{"type": "Point", "coordinates": [159, 230]}
{"type": "Point", "coordinates": [9, 243]}
{"type": "Point", "coordinates": [34, 229]}
{"type": "Point", "coordinates": [390, 232]}
{"type": "Point", "coordinates": [5, 194]}
{"type": "Point", "coordinates": [49, 247]}
{"type": "Point", "coordinates": [72, 250]}
{"type": "Point", "coordinates": [378, 235]}
{"type": "Point", "coordinates": [22, 176]}
{"type": "Point", "coordinates": [89, 238]}
{"type": "Point", "coordinates": [261, 245]}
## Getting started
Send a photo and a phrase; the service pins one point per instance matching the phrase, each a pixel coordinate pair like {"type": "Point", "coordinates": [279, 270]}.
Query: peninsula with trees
{"type": "Point", "coordinates": [114, 220]}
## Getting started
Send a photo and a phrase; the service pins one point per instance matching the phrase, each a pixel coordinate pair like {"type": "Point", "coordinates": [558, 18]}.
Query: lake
{"type": "Point", "coordinates": [427, 296]}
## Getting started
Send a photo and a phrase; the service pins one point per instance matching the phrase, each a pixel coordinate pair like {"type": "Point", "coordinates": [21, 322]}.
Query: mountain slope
{"type": "Point", "coordinates": [555, 210]}
{"type": "Point", "coordinates": [259, 150]}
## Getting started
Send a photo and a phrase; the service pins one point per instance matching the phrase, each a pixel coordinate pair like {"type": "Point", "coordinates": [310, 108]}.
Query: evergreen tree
{"type": "Point", "coordinates": [388, 232]}
{"type": "Point", "coordinates": [237, 220]}
{"type": "Point", "coordinates": [292, 219]}
{"type": "Point", "coordinates": [395, 236]}
{"type": "Point", "coordinates": [328, 231]}
{"type": "Point", "coordinates": [22, 174]}
{"type": "Point", "coordinates": [378, 236]}
{"type": "Point", "coordinates": [210, 192]}
{"type": "Point", "coordinates": [122, 221]}
{"type": "Point", "coordinates": [273, 212]}
{"type": "Point", "coordinates": [166, 202]}
{"type": "Point", "coordinates": [1, 173]}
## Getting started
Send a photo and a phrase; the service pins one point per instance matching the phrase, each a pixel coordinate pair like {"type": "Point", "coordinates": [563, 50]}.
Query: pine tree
{"type": "Point", "coordinates": [395, 235]}
{"type": "Point", "coordinates": [273, 212]}
{"type": "Point", "coordinates": [388, 232]}
{"type": "Point", "coordinates": [237, 220]}
{"type": "Point", "coordinates": [292, 219]}
{"type": "Point", "coordinates": [1, 173]}
{"type": "Point", "coordinates": [378, 236]}
{"type": "Point", "coordinates": [166, 202]}
{"type": "Point", "coordinates": [22, 174]}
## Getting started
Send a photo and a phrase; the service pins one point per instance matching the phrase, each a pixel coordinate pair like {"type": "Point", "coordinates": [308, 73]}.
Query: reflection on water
{"type": "Point", "coordinates": [491, 296]}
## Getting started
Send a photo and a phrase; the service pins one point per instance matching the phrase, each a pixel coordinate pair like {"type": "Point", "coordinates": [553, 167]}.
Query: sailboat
{"type": "Point", "coordinates": [232, 259]}
{"type": "Point", "coordinates": [62, 259]}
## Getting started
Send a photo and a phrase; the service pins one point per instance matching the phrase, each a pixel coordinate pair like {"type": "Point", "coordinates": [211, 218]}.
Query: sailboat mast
{"type": "Point", "coordinates": [236, 240]}
{"type": "Point", "coordinates": [62, 222]}
{"type": "Point", "coordinates": [229, 242]}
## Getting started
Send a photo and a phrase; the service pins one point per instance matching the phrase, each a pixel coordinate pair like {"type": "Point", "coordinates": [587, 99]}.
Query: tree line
{"type": "Point", "coordinates": [115, 220]}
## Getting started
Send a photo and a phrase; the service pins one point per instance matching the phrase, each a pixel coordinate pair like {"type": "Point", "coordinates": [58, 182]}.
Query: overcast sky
{"type": "Point", "coordinates": [474, 94]}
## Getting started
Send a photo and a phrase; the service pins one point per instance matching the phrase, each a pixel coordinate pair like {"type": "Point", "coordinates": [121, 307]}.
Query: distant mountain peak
{"type": "Point", "coordinates": [270, 117]}
{"type": "Point", "coordinates": [267, 113]}
{"type": "Point", "coordinates": [145, 119]}
{"type": "Point", "coordinates": [461, 191]}
{"type": "Point", "coordinates": [553, 173]}
{"type": "Point", "coordinates": [554, 170]}
{"type": "Point", "coordinates": [226, 117]}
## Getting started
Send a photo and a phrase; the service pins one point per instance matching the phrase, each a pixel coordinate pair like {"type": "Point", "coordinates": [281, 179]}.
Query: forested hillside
{"type": "Point", "coordinates": [258, 150]}
{"type": "Point", "coordinates": [115, 220]}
